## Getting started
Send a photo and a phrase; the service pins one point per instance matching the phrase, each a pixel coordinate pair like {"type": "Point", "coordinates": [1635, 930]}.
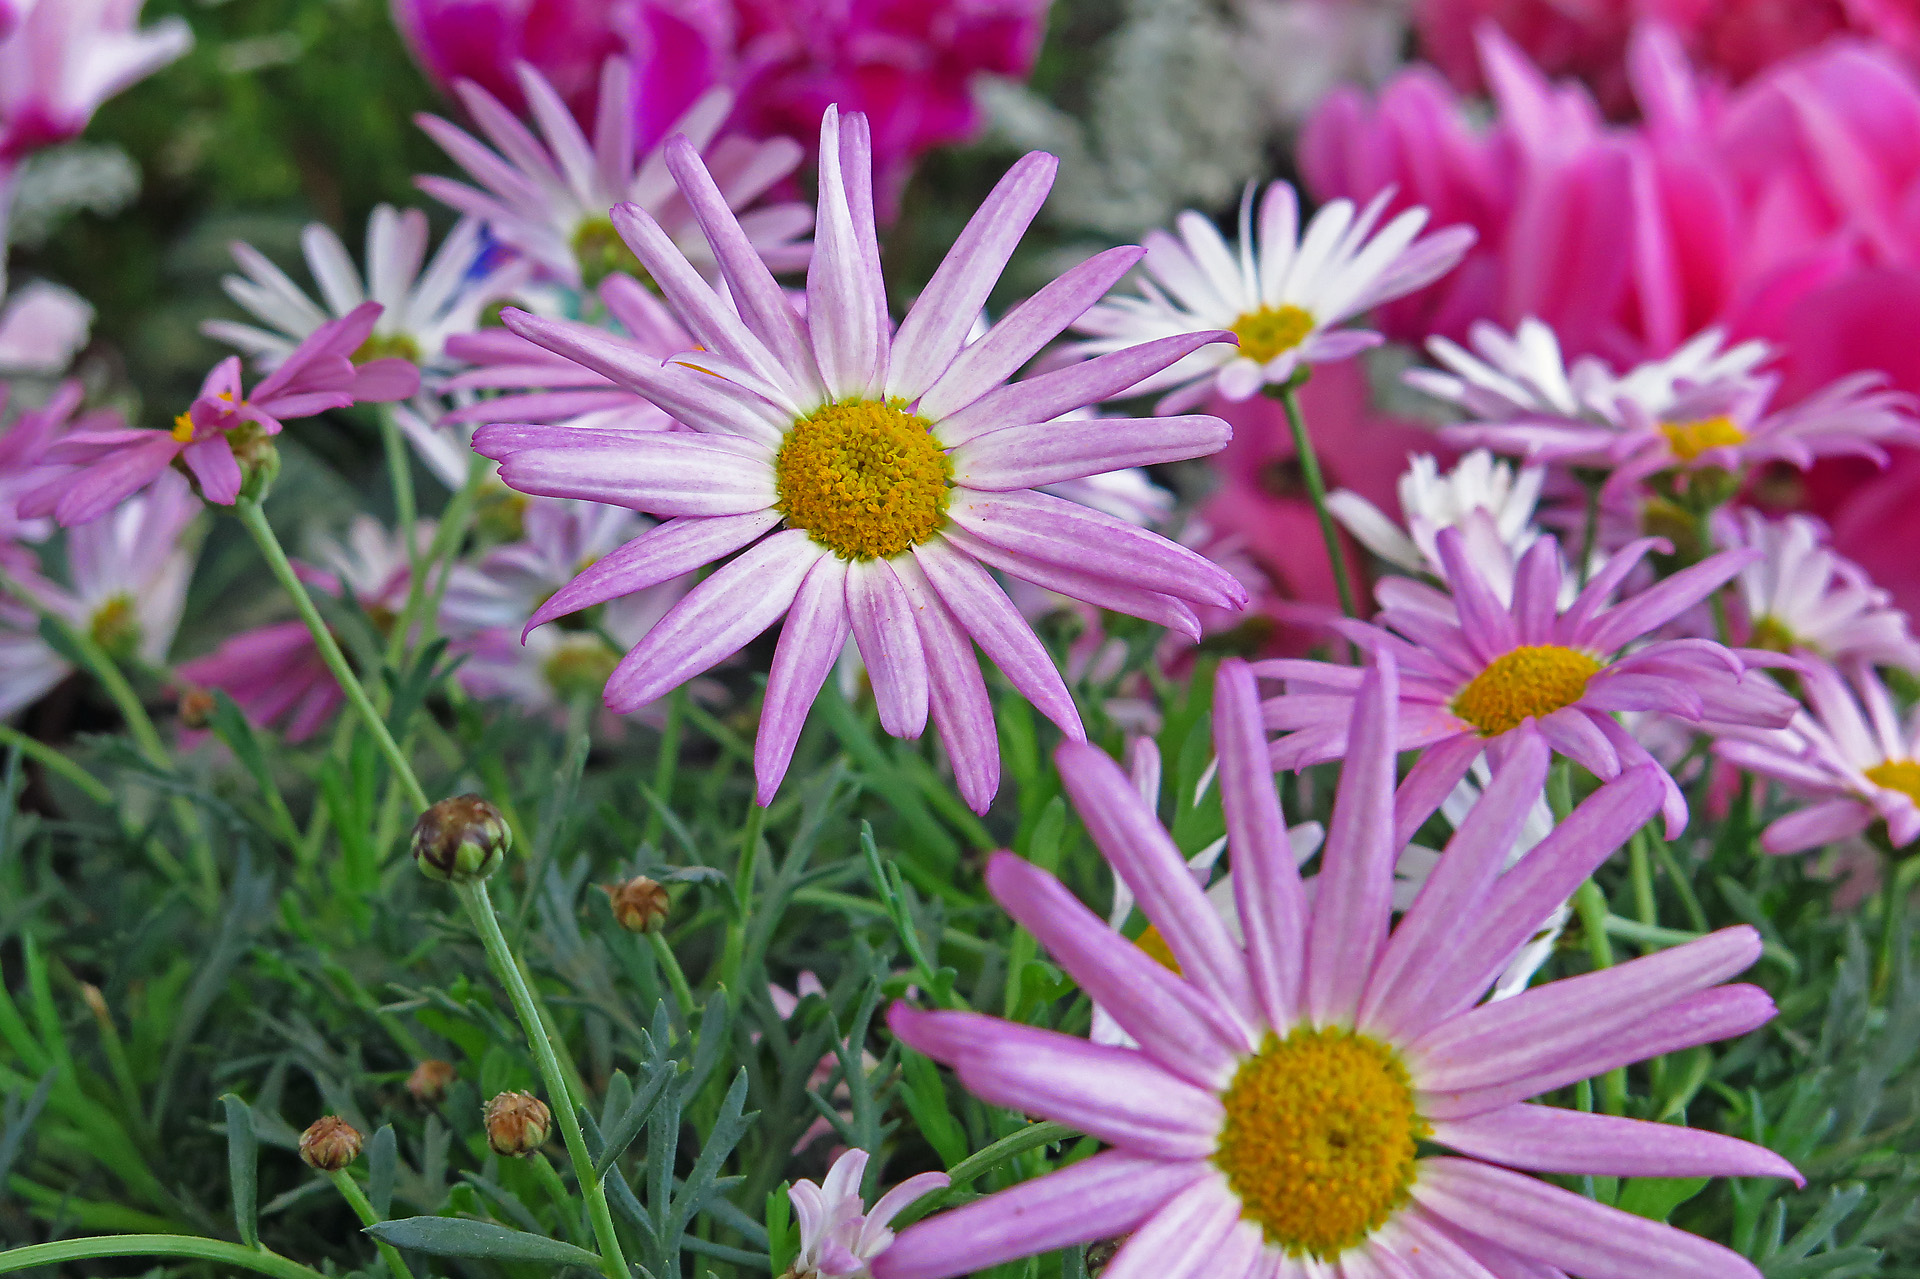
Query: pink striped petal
{"type": "Point", "coordinates": [1664, 601]}
{"type": "Point", "coordinates": [1355, 894]}
{"type": "Point", "coordinates": [664, 473]}
{"type": "Point", "coordinates": [1266, 882]}
{"type": "Point", "coordinates": [810, 642]}
{"type": "Point", "coordinates": [658, 555]}
{"type": "Point", "coordinates": [1187, 1239]}
{"type": "Point", "coordinates": [956, 692]}
{"type": "Point", "coordinates": [1098, 1198]}
{"type": "Point", "coordinates": [1484, 621]}
{"type": "Point", "coordinates": [1440, 768]}
{"type": "Point", "coordinates": [715, 620]}
{"type": "Point", "coordinates": [848, 339]}
{"type": "Point", "coordinates": [1817, 825]}
{"type": "Point", "coordinates": [889, 640]}
{"type": "Point", "coordinates": [1102, 592]}
{"type": "Point", "coordinates": [1132, 839]}
{"type": "Point", "coordinates": [1549, 1139]}
{"type": "Point", "coordinates": [1020, 457]}
{"type": "Point", "coordinates": [213, 464]}
{"type": "Point", "coordinates": [985, 613]}
{"type": "Point", "coordinates": [1567, 1230]}
{"type": "Point", "coordinates": [1427, 1249]}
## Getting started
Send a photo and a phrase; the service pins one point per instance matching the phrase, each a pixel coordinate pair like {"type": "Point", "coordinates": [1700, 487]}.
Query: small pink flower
{"type": "Point", "coordinates": [66, 57]}
{"type": "Point", "coordinates": [839, 1236]}
{"type": "Point", "coordinates": [110, 464]}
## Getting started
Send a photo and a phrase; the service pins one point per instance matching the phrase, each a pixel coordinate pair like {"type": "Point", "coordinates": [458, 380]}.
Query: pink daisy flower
{"type": "Point", "coordinates": [1850, 751]}
{"type": "Point", "coordinates": [899, 464]}
{"type": "Point", "coordinates": [1269, 1124]}
{"type": "Point", "coordinates": [225, 426]}
{"type": "Point", "coordinates": [839, 1235]}
{"type": "Point", "coordinates": [1481, 674]}
{"type": "Point", "coordinates": [548, 197]}
{"type": "Point", "coordinates": [1800, 595]}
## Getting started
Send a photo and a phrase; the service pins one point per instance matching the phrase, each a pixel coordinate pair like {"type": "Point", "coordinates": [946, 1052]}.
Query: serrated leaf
{"type": "Point", "coordinates": [243, 1164]}
{"type": "Point", "coordinates": [628, 1126]}
{"type": "Point", "coordinates": [479, 1240]}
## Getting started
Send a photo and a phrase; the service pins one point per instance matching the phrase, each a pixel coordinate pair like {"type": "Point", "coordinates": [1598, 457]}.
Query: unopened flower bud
{"type": "Point", "coordinates": [196, 708]}
{"type": "Point", "coordinates": [429, 1080]}
{"type": "Point", "coordinates": [330, 1144]}
{"type": "Point", "coordinates": [460, 840]}
{"type": "Point", "coordinates": [640, 904]}
{"type": "Point", "coordinates": [517, 1123]}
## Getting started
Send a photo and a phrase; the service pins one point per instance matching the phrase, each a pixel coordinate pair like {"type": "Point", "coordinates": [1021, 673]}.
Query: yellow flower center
{"type": "Point", "coordinates": [1156, 947]}
{"type": "Point", "coordinates": [1902, 775]}
{"type": "Point", "coordinates": [115, 627]}
{"type": "Point", "coordinates": [1527, 683]}
{"type": "Point", "coordinates": [382, 346]}
{"type": "Point", "coordinates": [183, 428]}
{"type": "Point", "coordinates": [1267, 332]}
{"type": "Point", "coordinates": [1690, 439]}
{"type": "Point", "coordinates": [1772, 634]}
{"type": "Point", "coordinates": [865, 479]}
{"type": "Point", "coordinates": [579, 667]}
{"type": "Point", "coordinates": [600, 251]}
{"type": "Point", "coordinates": [500, 513]}
{"type": "Point", "coordinates": [1320, 1139]}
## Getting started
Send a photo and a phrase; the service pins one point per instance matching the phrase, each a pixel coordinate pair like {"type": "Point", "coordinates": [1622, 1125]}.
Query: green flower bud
{"type": "Point", "coordinates": [461, 840]}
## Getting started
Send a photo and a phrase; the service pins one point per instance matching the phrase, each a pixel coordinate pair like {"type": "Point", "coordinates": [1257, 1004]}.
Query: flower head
{"type": "Point", "coordinates": [1271, 1120]}
{"type": "Point", "coordinates": [329, 1144]}
{"type": "Point", "coordinates": [1802, 596]}
{"type": "Point", "coordinates": [461, 840]}
{"type": "Point", "coordinates": [548, 197]}
{"type": "Point", "coordinates": [1489, 502]}
{"type": "Point", "coordinates": [517, 1123]}
{"type": "Point", "coordinates": [839, 1236]}
{"type": "Point", "coordinates": [1850, 751]}
{"type": "Point", "coordinates": [420, 312]}
{"type": "Point", "coordinates": [66, 57]}
{"type": "Point", "coordinates": [225, 435]}
{"type": "Point", "coordinates": [901, 466]}
{"type": "Point", "coordinates": [1481, 674]}
{"type": "Point", "coordinates": [1284, 295]}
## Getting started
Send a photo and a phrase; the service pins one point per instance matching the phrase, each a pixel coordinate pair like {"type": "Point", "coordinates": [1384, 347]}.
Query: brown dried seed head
{"type": "Point", "coordinates": [640, 904]}
{"type": "Point", "coordinates": [330, 1144]}
{"type": "Point", "coordinates": [461, 840]}
{"type": "Point", "coordinates": [429, 1080]}
{"type": "Point", "coordinates": [518, 1123]}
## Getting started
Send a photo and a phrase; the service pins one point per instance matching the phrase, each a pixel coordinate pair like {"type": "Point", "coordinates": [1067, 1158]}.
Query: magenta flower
{"type": "Point", "coordinates": [23, 466]}
{"type": "Point", "coordinates": [901, 466]}
{"type": "Point", "coordinates": [547, 197]}
{"type": "Point", "coordinates": [1850, 752]}
{"type": "Point", "coordinates": [66, 57]}
{"type": "Point", "coordinates": [1483, 675]}
{"type": "Point", "coordinates": [224, 425]}
{"type": "Point", "coordinates": [1268, 1126]}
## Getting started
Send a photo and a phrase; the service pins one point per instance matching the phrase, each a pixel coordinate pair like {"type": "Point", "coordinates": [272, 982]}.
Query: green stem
{"type": "Point", "coordinates": [406, 516]}
{"type": "Point", "coordinates": [676, 976]}
{"type": "Point", "coordinates": [357, 1200]}
{"type": "Point", "coordinates": [56, 762]}
{"type": "Point", "coordinates": [1591, 905]}
{"type": "Point", "coordinates": [668, 765]}
{"type": "Point", "coordinates": [1892, 903]}
{"type": "Point", "coordinates": [480, 907]}
{"type": "Point", "coordinates": [1590, 533]}
{"type": "Point", "coordinates": [1640, 866]}
{"type": "Point", "coordinates": [734, 949]}
{"type": "Point", "coordinates": [230, 1254]}
{"type": "Point", "coordinates": [1317, 489]}
{"type": "Point", "coordinates": [255, 519]}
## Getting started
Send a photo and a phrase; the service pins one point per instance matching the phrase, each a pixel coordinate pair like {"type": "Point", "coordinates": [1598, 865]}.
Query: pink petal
{"type": "Point", "coordinates": [665, 473]}
{"type": "Point", "coordinates": [1187, 1239]}
{"type": "Point", "coordinates": [658, 555]}
{"type": "Point", "coordinates": [956, 693]}
{"type": "Point", "coordinates": [810, 643]}
{"type": "Point", "coordinates": [889, 640]}
{"type": "Point", "coordinates": [1020, 457]}
{"type": "Point", "coordinates": [1102, 592]}
{"type": "Point", "coordinates": [1549, 1139]}
{"type": "Point", "coordinates": [213, 464]}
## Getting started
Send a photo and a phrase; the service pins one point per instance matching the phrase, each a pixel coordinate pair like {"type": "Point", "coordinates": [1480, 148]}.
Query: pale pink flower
{"type": "Point", "coordinates": [66, 57]}
{"type": "Point", "coordinates": [42, 327]}
{"type": "Point", "coordinates": [839, 1236]}
{"type": "Point", "coordinates": [1802, 596]}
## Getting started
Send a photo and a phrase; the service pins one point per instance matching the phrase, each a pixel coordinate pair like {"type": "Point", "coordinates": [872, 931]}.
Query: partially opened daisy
{"type": "Point", "coordinates": [548, 197]}
{"type": "Point", "coordinates": [839, 1235]}
{"type": "Point", "coordinates": [870, 477]}
{"type": "Point", "coordinates": [1851, 752]}
{"type": "Point", "coordinates": [1490, 502]}
{"type": "Point", "coordinates": [419, 311]}
{"type": "Point", "coordinates": [1801, 595]}
{"type": "Point", "coordinates": [1271, 1123]}
{"type": "Point", "coordinates": [1284, 295]}
{"type": "Point", "coordinates": [1475, 670]}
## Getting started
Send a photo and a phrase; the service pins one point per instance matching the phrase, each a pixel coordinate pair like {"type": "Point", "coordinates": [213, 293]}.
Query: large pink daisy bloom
{"type": "Point", "coordinates": [873, 475]}
{"type": "Point", "coordinates": [1269, 1124]}
{"type": "Point", "coordinates": [1478, 671]}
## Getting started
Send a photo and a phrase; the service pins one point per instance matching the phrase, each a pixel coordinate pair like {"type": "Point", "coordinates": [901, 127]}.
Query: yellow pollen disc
{"type": "Point", "coordinates": [115, 627]}
{"type": "Point", "coordinates": [865, 479]}
{"type": "Point", "coordinates": [1771, 634]}
{"type": "Point", "coordinates": [1320, 1139]}
{"type": "Point", "coordinates": [1690, 439]}
{"type": "Point", "coordinates": [1529, 682]}
{"type": "Point", "coordinates": [1267, 332]}
{"type": "Point", "coordinates": [1156, 947]}
{"type": "Point", "coordinates": [600, 251]}
{"type": "Point", "coordinates": [579, 666]}
{"type": "Point", "coordinates": [1902, 775]}
{"type": "Point", "coordinates": [381, 346]}
{"type": "Point", "coordinates": [183, 428]}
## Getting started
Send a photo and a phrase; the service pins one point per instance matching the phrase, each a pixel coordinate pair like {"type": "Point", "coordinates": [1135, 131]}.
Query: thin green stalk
{"type": "Point", "coordinates": [549, 1178]}
{"type": "Point", "coordinates": [357, 1200]}
{"type": "Point", "coordinates": [1893, 898]}
{"type": "Point", "coordinates": [255, 520]}
{"type": "Point", "coordinates": [1591, 905]}
{"type": "Point", "coordinates": [668, 764]}
{"type": "Point", "coordinates": [1641, 869]}
{"type": "Point", "coordinates": [480, 907]}
{"type": "Point", "coordinates": [676, 976]}
{"type": "Point", "coordinates": [734, 949]}
{"type": "Point", "coordinates": [56, 762]}
{"type": "Point", "coordinates": [406, 515]}
{"type": "Point", "coordinates": [1590, 534]}
{"type": "Point", "coordinates": [216, 1250]}
{"type": "Point", "coordinates": [1317, 489]}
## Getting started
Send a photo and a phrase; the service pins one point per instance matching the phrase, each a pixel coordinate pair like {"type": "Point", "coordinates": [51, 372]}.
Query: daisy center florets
{"type": "Point", "coordinates": [865, 479]}
{"type": "Point", "coordinates": [1902, 775]}
{"type": "Point", "coordinates": [1157, 949]}
{"type": "Point", "coordinates": [1773, 635]}
{"type": "Point", "coordinates": [1320, 1138]}
{"type": "Point", "coordinates": [1271, 330]}
{"type": "Point", "coordinates": [1526, 683]}
{"type": "Point", "coordinates": [1690, 439]}
{"type": "Point", "coordinates": [115, 627]}
{"type": "Point", "coordinates": [183, 428]}
{"type": "Point", "coordinates": [381, 346]}
{"type": "Point", "coordinates": [600, 251]}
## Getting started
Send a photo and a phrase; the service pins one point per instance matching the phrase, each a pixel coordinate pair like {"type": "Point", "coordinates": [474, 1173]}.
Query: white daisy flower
{"type": "Point", "coordinates": [1489, 502]}
{"type": "Point", "coordinates": [1801, 595]}
{"type": "Point", "coordinates": [1285, 295]}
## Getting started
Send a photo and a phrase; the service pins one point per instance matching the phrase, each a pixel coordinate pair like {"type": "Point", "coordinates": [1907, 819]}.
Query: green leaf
{"type": "Point", "coordinates": [479, 1240]}
{"type": "Point", "coordinates": [383, 1159]}
{"type": "Point", "coordinates": [231, 727]}
{"type": "Point", "coordinates": [243, 1152]}
{"type": "Point", "coordinates": [783, 1236]}
{"type": "Point", "coordinates": [1655, 1198]}
{"type": "Point", "coordinates": [627, 1127]}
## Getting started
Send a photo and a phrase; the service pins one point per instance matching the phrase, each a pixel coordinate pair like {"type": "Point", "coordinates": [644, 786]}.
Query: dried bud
{"type": "Point", "coordinates": [640, 904]}
{"type": "Point", "coordinates": [196, 708]}
{"type": "Point", "coordinates": [517, 1123]}
{"type": "Point", "coordinates": [460, 840]}
{"type": "Point", "coordinates": [330, 1144]}
{"type": "Point", "coordinates": [429, 1080]}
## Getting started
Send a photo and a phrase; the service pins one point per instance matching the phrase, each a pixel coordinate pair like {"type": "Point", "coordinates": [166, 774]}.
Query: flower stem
{"type": "Point", "coordinates": [1317, 490]}
{"type": "Point", "coordinates": [676, 976]}
{"type": "Point", "coordinates": [56, 762]}
{"type": "Point", "coordinates": [405, 513]}
{"type": "Point", "coordinates": [256, 521]}
{"type": "Point", "coordinates": [1591, 905]}
{"type": "Point", "coordinates": [733, 950]}
{"type": "Point", "coordinates": [357, 1200]}
{"type": "Point", "coordinates": [215, 1250]}
{"type": "Point", "coordinates": [480, 907]}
